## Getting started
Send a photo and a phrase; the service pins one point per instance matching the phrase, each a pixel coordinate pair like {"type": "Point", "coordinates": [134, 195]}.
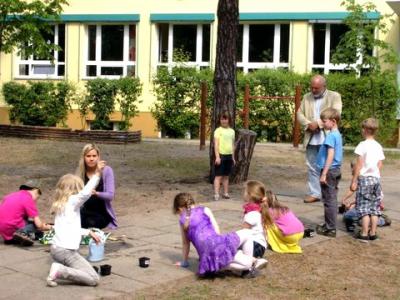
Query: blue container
{"type": "Point", "coordinates": [96, 251]}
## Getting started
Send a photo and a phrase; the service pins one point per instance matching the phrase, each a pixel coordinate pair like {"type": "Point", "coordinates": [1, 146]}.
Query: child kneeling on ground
{"type": "Point", "coordinates": [19, 216]}
{"type": "Point", "coordinates": [216, 251]}
{"type": "Point", "coordinates": [255, 208]}
{"type": "Point", "coordinates": [70, 195]}
{"type": "Point", "coordinates": [284, 230]}
{"type": "Point", "coordinates": [350, 215]}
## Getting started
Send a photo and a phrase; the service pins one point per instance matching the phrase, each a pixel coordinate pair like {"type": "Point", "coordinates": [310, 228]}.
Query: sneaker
{"type": "Point", "coordinates": [53, 274]}
{"type": "Point", "coordinates": [308, 232]}
{"type": "Point", "coordinates": [251, 273]}
{"type": "Point", "coordinates": [216, 197]}
{"type": "Point", "coordinates": [362, 238]}
{"type": "Point", "coordinates": [22, 238]}
{"type": "Point", "coordinates": [322, 230]}
{"type": "Point", "coordinates": [260, 263]}
{"type": "Point", "coordinates": [388, 221]}
{"type": "Point", "coordinates": [311, 199]}
{"type": "Point", "coordinates": [373, 237]}
{"type": "Point", "coordinates": [226, 196]}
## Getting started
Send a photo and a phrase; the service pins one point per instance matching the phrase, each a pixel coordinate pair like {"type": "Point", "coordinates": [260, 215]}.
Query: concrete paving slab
{"type": "Point", "coordinates": [167, 239]}
{"type": "Point", "coordinates": [137, 232]}
{"type": "Point", "coordinates": [39, 269]}
{"type": "Point", "coordinates": [14, 254]}
{"type": "Point", "coordinates": [158, 271]}
{"type": "Point", "coordinates": [27, 287]}
{"type": "Point", "coordinates": [5, 271]}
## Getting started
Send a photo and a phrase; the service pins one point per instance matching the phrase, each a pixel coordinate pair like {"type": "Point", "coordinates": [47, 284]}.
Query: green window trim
{"type": "Point", "coordinates": [100, 18]}
{"type": "Point", "coordinates": [182, 17]}
{"type": "Point", "coordinates": [293, 16]}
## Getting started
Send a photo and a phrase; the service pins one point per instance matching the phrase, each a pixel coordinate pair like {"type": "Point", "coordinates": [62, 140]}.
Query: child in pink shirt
{"type": "Point", "coordinates": [19, 218]}
{"type": "Point", "coordinates": [284, 230]}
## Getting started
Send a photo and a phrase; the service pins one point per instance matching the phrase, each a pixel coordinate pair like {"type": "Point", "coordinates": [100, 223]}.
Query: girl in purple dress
{"type": "Point", "coordinates": [216, 251]}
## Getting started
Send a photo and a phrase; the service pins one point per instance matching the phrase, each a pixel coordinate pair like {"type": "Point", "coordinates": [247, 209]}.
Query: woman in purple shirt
{"type": "Point", "coordinates": [97, 212]}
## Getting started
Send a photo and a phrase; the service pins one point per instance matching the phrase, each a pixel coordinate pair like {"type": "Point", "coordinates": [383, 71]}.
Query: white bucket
{"type": "Point", "coordinates": [96, 251]}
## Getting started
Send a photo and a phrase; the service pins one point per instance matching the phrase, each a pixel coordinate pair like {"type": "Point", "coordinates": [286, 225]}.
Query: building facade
{"type": "Point", "coordinates": [110, 39]}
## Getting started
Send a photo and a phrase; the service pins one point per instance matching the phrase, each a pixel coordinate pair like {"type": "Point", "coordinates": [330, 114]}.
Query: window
{"type": "Point", "coordinates": [263, 46]}
{"type": "Point", "coordinates": [184, 42]}
{"type": "Point", "coordinates": [111, 51]}
{"type": "Point", "coordinates": [326, 38]}
{"type": "Point", "coordinates": [37, 67]}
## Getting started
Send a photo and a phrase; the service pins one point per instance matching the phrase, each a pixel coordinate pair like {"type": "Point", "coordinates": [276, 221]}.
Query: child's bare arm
{"type": "Point", "coordinates": [233, 152]}
{"type": "Point", "coordinates": [40, 224]}
{"type": "Point", "coordinates": [348, 195]}
{"type": "Point", "coordinates": [185, 250]}
{"type": "Point", "coordinates": [329, 160]}
{"type": "Point", "coordinates": [357, 169]}
{"type": "Point", "coordinates": [216, 151]}
{"type": "Point", "coordinates": [214, 223]}
{"type": "Point", "coordinates": [246, 225]}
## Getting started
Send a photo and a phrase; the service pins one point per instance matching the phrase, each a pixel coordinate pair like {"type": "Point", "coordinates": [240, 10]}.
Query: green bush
{"type": "Point", "coordinates": [177, 108]}
{"type": "Point", "coordinates": [101, 96]}
{"type": "Point", "coordinates": [43, 103]}
{"type": "Point", "coordinates": [374, 95]}
{"type": "Point", "coordinates": [271, 119]}
{"type": "Point", "coordinates": [100, 100]}
{"type": "Point", "coordinates": [128, 90]}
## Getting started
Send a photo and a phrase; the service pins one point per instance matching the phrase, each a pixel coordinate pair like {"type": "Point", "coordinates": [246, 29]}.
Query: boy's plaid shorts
{"type": "Point", "coordinates": [368, 197]}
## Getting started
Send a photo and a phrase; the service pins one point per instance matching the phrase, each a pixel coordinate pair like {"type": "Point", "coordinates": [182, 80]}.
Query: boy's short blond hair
{"type": "Point", "coordinates": [330, 114]}
{"type": "Point", "coordinates": [370, 125]}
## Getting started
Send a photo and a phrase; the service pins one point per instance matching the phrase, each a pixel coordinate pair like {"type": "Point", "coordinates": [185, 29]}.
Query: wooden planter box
{"type": "Point", "coordinates": [53, 133]}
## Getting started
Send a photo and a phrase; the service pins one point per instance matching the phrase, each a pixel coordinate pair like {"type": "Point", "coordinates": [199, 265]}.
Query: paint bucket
{"type": "Point", "coordinates": [144, 262]}
{"type": "Point", "coordinates": [105, 270]}
{"type": "Point", "coordinates": [96, 251]}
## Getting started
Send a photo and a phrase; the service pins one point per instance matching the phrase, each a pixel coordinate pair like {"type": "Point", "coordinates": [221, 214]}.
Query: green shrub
{"type": "Point", "coordinates": [271, 119]}
{"type": "Point", "coordinates": [128, 90]}
{"type": "Point", "coordinates": [100, 100]}
{"type": "Point", "coordinates": [374, 95]}
{"type": "Point", "coordinates": [101, 96]}
{"type": "Point", "coordinates": [43, 103]}
{"type": "Point", "coordinates": [177, 108]}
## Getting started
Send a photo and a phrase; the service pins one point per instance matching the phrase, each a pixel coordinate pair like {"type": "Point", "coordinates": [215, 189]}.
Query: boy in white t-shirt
{"type": "Point", "coordinates": [366, 180]}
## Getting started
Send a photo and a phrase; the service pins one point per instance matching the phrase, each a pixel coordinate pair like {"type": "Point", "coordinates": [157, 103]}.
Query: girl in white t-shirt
{"type": "Point", "coordinates": [254, 196]}
{"type": "Point", "coordinates": [70, 195]}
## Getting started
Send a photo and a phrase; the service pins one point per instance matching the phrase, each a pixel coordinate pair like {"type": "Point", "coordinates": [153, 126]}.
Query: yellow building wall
{"type": "Point", "coordinates": [147, 41]}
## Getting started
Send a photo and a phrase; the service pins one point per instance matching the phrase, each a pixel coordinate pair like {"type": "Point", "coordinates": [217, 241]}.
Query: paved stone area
{"type": "Point", "coordinates": [155, 235]}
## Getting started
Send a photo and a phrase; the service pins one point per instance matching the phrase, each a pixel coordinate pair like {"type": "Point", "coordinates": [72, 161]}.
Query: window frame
{"type": "Point", "coordinates": [124, 64]}
{"type": "Point", "coordinates": [199, 63]}
{"type": "Point", "coordinates": [31, 62]}
{"type": "Point", "coordinates": [245, 64]}
{"type": "Point", "coordinates": [328, 66]}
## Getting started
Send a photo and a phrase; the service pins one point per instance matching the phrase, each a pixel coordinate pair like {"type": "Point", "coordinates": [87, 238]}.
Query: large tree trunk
{"type": "Point", "coordinates": [245, 143]}
{"type": "Point", "coordinates": [225, 69]}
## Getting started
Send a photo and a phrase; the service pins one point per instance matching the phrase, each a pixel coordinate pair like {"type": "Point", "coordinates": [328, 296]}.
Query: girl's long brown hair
{"type": "Point", "coordinates": [257, 193]}
{"type": "Point", "coordinates": [183, 200]}
{"type": "Point", "coordinates": [277, 208]}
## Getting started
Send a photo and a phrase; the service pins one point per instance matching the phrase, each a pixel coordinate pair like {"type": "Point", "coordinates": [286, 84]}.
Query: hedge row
{"type": "Point", "coordinates": [45, 103]}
